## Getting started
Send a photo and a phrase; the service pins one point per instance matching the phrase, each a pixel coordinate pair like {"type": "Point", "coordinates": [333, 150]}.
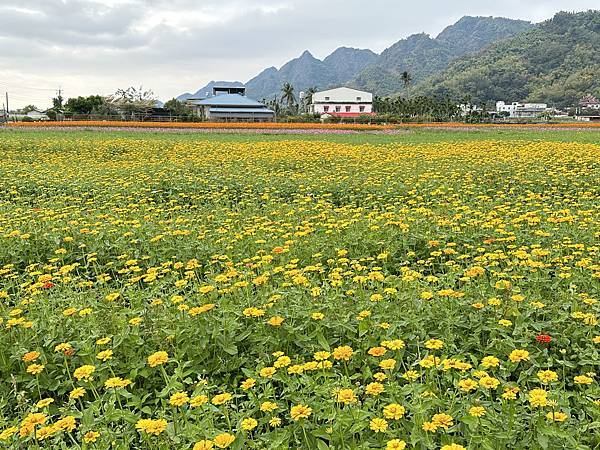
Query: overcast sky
{"type": "Point", "coordinates": [174, 46]}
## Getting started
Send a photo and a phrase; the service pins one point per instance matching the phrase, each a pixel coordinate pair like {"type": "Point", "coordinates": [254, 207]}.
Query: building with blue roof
{"type": "Point", "coordinates": [230, 104]}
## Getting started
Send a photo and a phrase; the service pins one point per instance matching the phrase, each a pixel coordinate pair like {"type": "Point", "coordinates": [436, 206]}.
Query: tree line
{"type": "Point", "coordinates": [125, 104]}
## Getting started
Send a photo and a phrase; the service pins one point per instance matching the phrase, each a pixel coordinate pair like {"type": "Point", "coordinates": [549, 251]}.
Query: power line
{"type": "Point", "coordinates": [30, 99]}
{"type": "Point", "coordinates": [26, 93]}
{"type": "Point", "coordinates": [21, 87]}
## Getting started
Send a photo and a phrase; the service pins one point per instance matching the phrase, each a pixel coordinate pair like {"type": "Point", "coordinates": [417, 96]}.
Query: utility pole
{"type": "Point", "coordinates": [60, 95]}
{"type": "Point", "coordinates": [59, 113]}
{"type": "Point", "coordinates": [7, 108]}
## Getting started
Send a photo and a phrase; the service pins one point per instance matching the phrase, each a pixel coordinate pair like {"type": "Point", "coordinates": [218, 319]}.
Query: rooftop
{"type": "Point", "coordinates": [589, 100]}
{"type": "Point", "coordinates": [264, 110]}
{"type": "Point", "coordinates": [228, 100]}
{"type": "Point", "coordinates": [343, 89]}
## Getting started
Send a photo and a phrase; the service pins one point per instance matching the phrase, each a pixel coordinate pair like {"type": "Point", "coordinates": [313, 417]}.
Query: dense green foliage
{"type": "Point", "coordinates": [178, 108]}
{"type": "Point", "coordinates": [419, 55]}
{"type": "Point", "coordinates": [427, 108]}
{"type": "Point", "coordinates": [422, 56]}
{"type": "Point", "coordinates": [471, 34]}
{"type": "Point", "coordinates": [556, 62]}
{"type": "Point", "coordinates": [85, 105]}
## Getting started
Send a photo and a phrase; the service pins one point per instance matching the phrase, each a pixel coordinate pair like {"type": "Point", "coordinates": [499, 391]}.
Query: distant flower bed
{"type": "Point", "coordinates": [212, 125]}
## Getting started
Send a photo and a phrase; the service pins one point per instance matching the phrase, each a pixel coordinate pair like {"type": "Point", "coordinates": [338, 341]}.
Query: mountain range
{"type": "Point", "coordinates": [418, 54]}
{"type": "Point", "coordinates": [557, 62]}
{"type": "Point", "coordinates": [486, 58]}
{"type": "Point", "coordinates": [307, 71]}
{"type": "Point", "coordinates": [422, 56]}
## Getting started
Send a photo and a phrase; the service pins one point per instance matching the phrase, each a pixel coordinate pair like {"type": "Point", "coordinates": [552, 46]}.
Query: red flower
{"type": "Point", "coordinates": [48, 285]}
{"type": "Point", "coordinates": [543, 338]}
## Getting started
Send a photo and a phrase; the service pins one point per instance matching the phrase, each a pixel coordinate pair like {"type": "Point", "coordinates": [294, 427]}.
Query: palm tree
{"type": "Point", "coordinates": [406, 79]}
{"type": "Point", "coordinates": [309, 96]}
{"type": "Point", "coordinates": [288, 95]}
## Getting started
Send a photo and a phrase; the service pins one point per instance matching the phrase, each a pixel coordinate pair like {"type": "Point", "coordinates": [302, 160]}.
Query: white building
{"type": "Point", "coordinates": [342, 102]}
{"type": "Point", "coordinates": [519, 110]}
{"type": "Point", "coordinates": [468, 108]}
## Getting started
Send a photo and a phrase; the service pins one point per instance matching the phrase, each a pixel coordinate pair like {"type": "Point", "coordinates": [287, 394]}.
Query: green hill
{"type": "Point", "coordinates": [422, 56]}
{"type": "Point", "coordinates": [557, 62]}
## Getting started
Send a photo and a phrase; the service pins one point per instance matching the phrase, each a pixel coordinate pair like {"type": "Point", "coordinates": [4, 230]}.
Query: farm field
{"type": "Point", "coordinates": [428, 290]}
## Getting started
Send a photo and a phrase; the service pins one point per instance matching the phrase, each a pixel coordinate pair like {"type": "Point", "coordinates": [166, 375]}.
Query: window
{"type": "Point", "coordinates": [326, 99]}
{"type": "Point", "coordinates": [338, 108]}
{"type": "Point", "coordinates": [326, 108]}
{"type": "Point", "coordinates": [348, 108]}
{"type": "Point", "coordinates": [362, 109]}
{"type": "Point", "coordinates": [358, 99]}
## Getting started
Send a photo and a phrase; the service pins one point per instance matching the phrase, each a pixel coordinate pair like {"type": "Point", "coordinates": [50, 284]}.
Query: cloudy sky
{"type": "Point", "coordinates": [174, 46]}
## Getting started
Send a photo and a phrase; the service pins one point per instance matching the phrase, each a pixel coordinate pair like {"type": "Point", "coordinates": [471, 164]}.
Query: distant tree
{"type": "Point", "coordinates": [133, 101]}
{"type": "Point", "coordinates": [57, 103]}
{"type": "Point", "coordinates": [308, 98]}
{"type": "Point", "coordinates": [417, 108]}
{"type": "Point", "coordinates": [406, 79]}
{"type": "Point", "coordinates": [177, 108]}
{"type": "Point", "coordinates": [85, 105]}
{"type": "Point", "coordinates": [274, 104]}
{"type": "Point", "coordinates": [28, 109]}
{"type": "Point", "coordinates": [288, 95]}
{"type": "Point", "coordinates": [132, 94]}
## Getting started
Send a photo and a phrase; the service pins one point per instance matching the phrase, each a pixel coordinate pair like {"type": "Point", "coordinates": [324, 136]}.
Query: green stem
{"type": "Point", "coordinates": [305, 436]}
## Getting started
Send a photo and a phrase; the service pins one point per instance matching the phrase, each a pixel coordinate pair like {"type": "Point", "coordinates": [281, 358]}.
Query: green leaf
{"type": "Point", "coordinates": [543, 441]}
{"type": "Point", "coordinates": [322, 445]}
{"type": "Point", "coordinates": [322, 341]}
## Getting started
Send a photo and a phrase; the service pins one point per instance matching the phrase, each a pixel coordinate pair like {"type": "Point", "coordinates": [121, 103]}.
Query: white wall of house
{"type": "Point", "coordinates": [506, 107]}
{"type": "Point", "coordinates": [342, 100]}
{"type": "Point", "coordinates": [342, 108]}
{"type": "Point", "coordinates": [37, 115]}
{"type": "Point", "coordinates": [517, 109]}
{"type": "Point", "coordinates": [540, 106]}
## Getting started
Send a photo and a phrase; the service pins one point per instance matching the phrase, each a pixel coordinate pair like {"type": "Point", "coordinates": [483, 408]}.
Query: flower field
{"type": "Point", "coordinates": [194, 294]}
{"type": "Point", "coordinates": [291, 126]}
